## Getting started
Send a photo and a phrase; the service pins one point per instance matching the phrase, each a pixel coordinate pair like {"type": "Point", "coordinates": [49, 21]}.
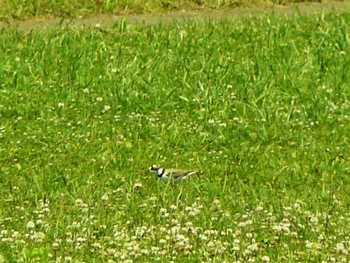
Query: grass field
{"type": "Point", "coordinates": [260, 105]}
{"type": "Point", "coordinates": [23, 9]}
{"type": "Point", "coordinates": [20, 9]}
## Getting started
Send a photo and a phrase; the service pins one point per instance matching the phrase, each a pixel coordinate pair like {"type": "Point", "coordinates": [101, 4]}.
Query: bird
{"type": "Point", "coordinates": [172, 175]}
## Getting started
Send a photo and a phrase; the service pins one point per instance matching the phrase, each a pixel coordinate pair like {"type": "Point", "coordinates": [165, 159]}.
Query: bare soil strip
{"type": "Point", "coordinates": [106, 21]}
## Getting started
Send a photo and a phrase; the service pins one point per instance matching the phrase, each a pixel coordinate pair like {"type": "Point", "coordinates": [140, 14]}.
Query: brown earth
{"type": "Point", "coordinates": [105, 21]}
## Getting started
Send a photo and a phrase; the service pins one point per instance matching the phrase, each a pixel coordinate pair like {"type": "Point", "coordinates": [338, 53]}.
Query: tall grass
{"type": "Point", "coordinates": [261, 105]}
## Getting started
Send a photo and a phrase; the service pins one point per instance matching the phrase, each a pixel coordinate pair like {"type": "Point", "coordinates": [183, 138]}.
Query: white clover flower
{"type": "Point", "coordinates": [153, 199]}
{"type": "Point", "coordinates": [173, 207]}
{"type": "Point", "coordinates": [105, 197]}
{"type": "Point", "coordinates": [174, 230]}
{"type": "Point", "coordinates": [259, 209]}
{"type": "Point", "coordinates": [277, 228]}
{"type": "Point", "coordinates": [308, 244]}
{"type": "Point", "coordinates": [38, 236]}
{"type": "Point", "coordinates": [192, 213]}
{"type": "Point", "coordinates": [3, 232]}
{"type": "Point", "coordinates": [207, 232]}
{"type": "Point", "coordinates": [55, 245]}
{"type": "Point", "coordinates": [247, 252]}
{"type": "Point", "coordinates": [340, 248]}
{"type": "Point", "coordinates": [236, 248]}
{"type": "Point", "coordinates": [163, 211]}
{"type": "Point", "coordinates": [189, 224]}
{"type": "Point", "coordinates": [174, 222]}
{"type": "Point", "coordinates": [203, 237]}
{"type": "Point", "coordinates": [321, 237]}
{"type": "Point", "coordinates": [216, 203]}
{"type": "Point", "coordinates": [313, 219]}
{"type": "Point", "coordinates": [249, 235]}
{"type": "Point", "coordinates": [253, 247]}
{"type": "Point", "coordinates": [226, 214]}
{"type": "Point", "coordinates": [30, 224]}
{"type": "Point", "coordinates": [144, 251]}
{"type": "Point", "coordinates": [81, 239]}
{"type": "Point", "coordinates": [79, 202]}
{"type": "Point", "coordinates": [265, 259]}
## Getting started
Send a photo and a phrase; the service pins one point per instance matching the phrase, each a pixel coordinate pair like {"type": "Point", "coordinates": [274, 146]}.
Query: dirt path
{"type": "Point", "coordinates": [105, 21]}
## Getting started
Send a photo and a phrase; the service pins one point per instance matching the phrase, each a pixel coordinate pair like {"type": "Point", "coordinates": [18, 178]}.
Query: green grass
{"type": "Point", "coordinates": [22, 9]}
{"type": "Point", "coordinates": [261, 105]}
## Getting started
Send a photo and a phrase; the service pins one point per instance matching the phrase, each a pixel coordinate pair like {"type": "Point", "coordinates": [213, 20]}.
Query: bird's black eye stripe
{"type": "Point", "coordinates": [154, 168]}
{"type": "Point", "coordinates": [161, 172]}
